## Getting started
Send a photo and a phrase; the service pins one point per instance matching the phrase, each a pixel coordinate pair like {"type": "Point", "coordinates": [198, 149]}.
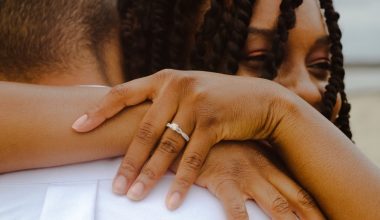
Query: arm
{"type": "Point", "coordinates": [327, 163]}
{"type": "Point", "coordinates": [38, 134]}
{"type": "Point", "coordinates": [35, 124]}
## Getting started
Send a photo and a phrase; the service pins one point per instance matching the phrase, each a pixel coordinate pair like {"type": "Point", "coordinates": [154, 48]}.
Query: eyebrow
{"type": "Point", "coordinates": [261, 31]}
{"type": "Point", "coordinates": [324, 40]}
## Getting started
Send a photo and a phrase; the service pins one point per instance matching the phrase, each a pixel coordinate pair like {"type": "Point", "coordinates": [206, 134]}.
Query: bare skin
{"type": "Point", "coordinates": [50, 122]}
{"type": "Point", "coordinates": [98, 140]}
{"type": "Point", "coordinates": [320, 156]}
{"type": "Point", "coordinates": [305, 150]}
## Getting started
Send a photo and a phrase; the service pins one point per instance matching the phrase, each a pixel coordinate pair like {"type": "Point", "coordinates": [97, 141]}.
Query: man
{"type": "Point", "coordinates": [60, 42]}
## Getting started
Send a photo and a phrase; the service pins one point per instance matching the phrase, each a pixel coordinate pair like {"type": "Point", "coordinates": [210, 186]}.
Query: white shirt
{"type": "Point", "coordinates": [83, 192]}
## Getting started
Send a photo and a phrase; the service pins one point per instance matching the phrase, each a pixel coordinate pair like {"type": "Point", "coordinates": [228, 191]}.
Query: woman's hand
{"type": "Point", "coordinates": [208, 107]}
{"type": "Point", "coordinates": [238, 171]}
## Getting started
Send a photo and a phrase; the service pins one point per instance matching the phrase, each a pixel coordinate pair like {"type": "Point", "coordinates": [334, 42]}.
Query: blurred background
{"type": "Point", "coordinates": [360, 23]}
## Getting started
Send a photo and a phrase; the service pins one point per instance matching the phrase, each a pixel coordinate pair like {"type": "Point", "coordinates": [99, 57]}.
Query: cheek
{"type": "Point", "coordinates": [243, 70]}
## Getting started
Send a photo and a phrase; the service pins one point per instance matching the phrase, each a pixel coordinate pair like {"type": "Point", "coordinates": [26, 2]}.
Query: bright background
{"type": "Point", "coordinates": [360, 23]}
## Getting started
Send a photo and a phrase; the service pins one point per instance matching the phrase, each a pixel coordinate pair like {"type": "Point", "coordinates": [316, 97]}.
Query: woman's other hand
{"type": "Point", "coordinates": [238, 171]}
{"type": "Point", "coordinates": [208, 107]}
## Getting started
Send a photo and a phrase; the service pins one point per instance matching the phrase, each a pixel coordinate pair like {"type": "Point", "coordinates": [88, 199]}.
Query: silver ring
{"type": "Point", "coordinates": [175, 127]}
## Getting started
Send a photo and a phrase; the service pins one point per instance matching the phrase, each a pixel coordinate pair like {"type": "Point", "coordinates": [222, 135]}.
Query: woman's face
{"type": "Point", "coordinates": [305, 66]}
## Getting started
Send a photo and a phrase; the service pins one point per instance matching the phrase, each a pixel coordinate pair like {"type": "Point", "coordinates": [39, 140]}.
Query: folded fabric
{"type": "Point", "coordinates": [83, 192]}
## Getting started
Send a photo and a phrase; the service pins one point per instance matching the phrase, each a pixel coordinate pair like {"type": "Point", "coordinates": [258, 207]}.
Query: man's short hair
{"type": "Point", "coordinates": [42, 35]}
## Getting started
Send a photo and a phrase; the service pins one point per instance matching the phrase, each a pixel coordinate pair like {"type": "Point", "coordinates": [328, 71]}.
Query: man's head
{"type": "Point", "coordinates": [44, 39]}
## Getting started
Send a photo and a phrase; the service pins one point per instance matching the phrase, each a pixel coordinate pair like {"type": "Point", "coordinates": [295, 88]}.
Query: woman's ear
{"type": "Point", "coordinates": [336, 109]}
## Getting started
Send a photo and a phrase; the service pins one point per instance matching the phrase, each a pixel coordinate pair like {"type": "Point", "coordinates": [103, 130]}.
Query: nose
{"type": "Point", "coordinates": [303, 84]}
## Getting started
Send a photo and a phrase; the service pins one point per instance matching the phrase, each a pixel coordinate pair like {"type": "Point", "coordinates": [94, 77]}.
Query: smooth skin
{"type": "Point", "coordinates": [304, 72]}
{"type": "Point", "coordinates": [30, 141]}
{"type": "Point", "coordinates": [211, 108]}
{"type": "Point", "coordinates": [40, 137]}
{"type": "Point", "coordinates": [321, 157]}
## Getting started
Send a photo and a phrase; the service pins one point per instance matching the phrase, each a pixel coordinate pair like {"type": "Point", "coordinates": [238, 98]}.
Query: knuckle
{"type": "Point", "coordinates": [238, 167]}
{"type": "Point", "coordinates": [193, 161]}
{"type": "Point", "coordinates": [305, 199]}
{"type": "Point", "coordinates": [200, 95]}
{"type": "Point", "coordinates": [169, 145]}
{"type": "Point", "coordinates": [182, 82]}
{"type": "Point", "coordinates": [221, 185]}
{"type": "Point", "coordinates": [206, 114]}
{"type": "Point", "coordinates": [186, 81]}
{"type": "Point", "coordinates": [238, 211]}
{"type": "Point", "coordinates": [145, 133]}
{"type": "Point", "coordinates": [164, 74]}
{"type": "Point", "coordinates": [149, 173]}
{"type": "Point", "coordinates": [280, 205]}
{"type": "Point", "coordinates": [183, 182]}
{"type": "Point", "coordinates": [119, 91]}
{"type": "Point", "coordinates": [128, 165]}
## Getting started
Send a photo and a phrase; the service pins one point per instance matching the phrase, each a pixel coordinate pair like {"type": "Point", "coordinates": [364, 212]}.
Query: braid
{"type": "Point", "coordinates": [162, 22]}
{"type": "Point", "coordinates": [238, 35]}
{"type": "Point", "coordinates": [123, 5]}
{"type": "Point", "coordinates": [219, 49]}
{"type": "Point", "coordinates": [134, 28]}
{"type": "Point", "coordinates": [218, 43]}
{"type": "Point", "coordinates": [207, 32]}
{"type": "Point", "coordinates": [286, 21]}
{"type": "Point", "coordinates": [185, 13]}
{"type": "Point", "coordinates": [336, 81]}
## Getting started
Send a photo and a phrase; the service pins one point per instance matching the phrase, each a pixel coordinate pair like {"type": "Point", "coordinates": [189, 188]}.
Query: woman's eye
{"type": "Point", "coordinates": [321, 65]}
{"type": "Point", "coordinates": [257, 58]}
{"type": "Point", "coordinates": [321, 70]}
{"type": "Point", "coordinates": [256, 61]}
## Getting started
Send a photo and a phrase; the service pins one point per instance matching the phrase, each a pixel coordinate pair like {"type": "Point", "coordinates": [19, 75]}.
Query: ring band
{"type": "Point", "coordinates": [175, 127]}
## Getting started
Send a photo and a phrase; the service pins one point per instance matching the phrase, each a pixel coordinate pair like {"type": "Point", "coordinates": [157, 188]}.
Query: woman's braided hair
{"type": "Point", "coordinates": [286, 21]}
{"type": "Point", "coordinates": [336, 81]}
{"type": "Point", "coordinates": [160, 34]}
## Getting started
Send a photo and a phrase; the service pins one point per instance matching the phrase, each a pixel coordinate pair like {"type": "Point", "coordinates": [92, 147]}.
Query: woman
{"type": "Point", "coordinates": [201, 106]}
{"type": "Point", "coordinates": [27, 142]}
{"type": "Point", "coordinates": [82, 153]}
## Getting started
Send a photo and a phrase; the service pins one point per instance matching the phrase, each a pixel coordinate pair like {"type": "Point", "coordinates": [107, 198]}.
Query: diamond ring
{"type": "Point", "coordinates": [175, 127]}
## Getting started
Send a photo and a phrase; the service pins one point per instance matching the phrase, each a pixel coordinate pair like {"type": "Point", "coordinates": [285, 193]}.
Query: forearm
{"type": "Point", "coordinates": [36, 121]}
{"type": "Point", "coordinates": [328, 164]}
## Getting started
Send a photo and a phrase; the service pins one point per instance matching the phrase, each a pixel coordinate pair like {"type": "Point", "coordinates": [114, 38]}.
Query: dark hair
{"type": "Point", "coordinates": [218, 43]}
{"type": "Point", "coordinates": [38, 36]}
{"type": "Point", "coordinates": [336, 81]}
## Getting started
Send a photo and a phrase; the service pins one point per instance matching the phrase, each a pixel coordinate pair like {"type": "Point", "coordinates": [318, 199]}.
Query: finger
{"type": "Point", "coordinates": [144, 140]}
{"type": "Point", "coordinates": [120, 96]}
{"type": "Point", "coordinates": [302, 203]}
{"type": "Point", "coordinates": [189, 167]}
{"type": "Point", "coordinates": [229, 193]}
{"type": "Point", "coordinates": [271, 200]}
{"type": "Point", "coordinates": [168, 149]}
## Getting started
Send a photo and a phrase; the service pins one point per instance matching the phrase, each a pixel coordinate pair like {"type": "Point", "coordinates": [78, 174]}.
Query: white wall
{"type": "Point", "coordinates": [360, 22]}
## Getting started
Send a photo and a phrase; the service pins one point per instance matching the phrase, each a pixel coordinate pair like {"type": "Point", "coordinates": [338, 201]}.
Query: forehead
{"type": "Point", "coordinates": [309, 18]}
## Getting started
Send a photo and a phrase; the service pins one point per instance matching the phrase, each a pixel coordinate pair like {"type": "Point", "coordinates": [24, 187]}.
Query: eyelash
{"type": "Point", "coordinates": [320, 70]}
{"type": "Point", "coordinates": [321, 65]}
{"type": "Point", "coordinates": [258, 58]}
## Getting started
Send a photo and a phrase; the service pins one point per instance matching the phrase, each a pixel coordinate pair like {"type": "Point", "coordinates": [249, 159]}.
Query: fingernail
{"type": "Point", "coordinates": [136, 191]}
{"type": "Point", "coordinates": [174, 201]}
{"type": "Point", "coordinates": [80, 122]}
{"type": "Point", "coordinates": [120, 185]}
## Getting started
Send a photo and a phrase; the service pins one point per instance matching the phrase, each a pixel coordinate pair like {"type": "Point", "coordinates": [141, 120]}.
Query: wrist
{"type": "Point", "coordinates": [291, 109]}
